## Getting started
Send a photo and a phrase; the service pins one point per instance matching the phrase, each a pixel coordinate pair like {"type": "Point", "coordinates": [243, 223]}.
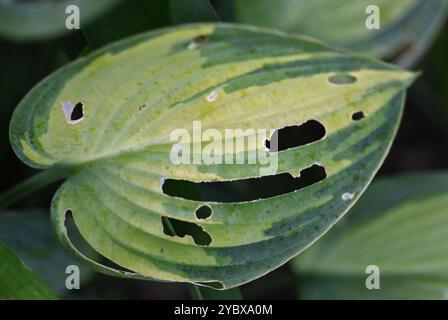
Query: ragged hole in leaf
{"type": "Point", "coordinates": [358, 116]}
{"type": "Point", "coordinates": [77, 113]}
{"type": "Point", "coordinates": [295, 136]}
{"type": "Point", "coordinates": [203, 212]}
{"type": "Point", "coordinates": [73, 113]}
{"type": "Point", "coordinates": [342, 78]}
{"type": "Point", "coordinates": [244, 189]}
{"type": "Point", "coordinates": [173, 227]}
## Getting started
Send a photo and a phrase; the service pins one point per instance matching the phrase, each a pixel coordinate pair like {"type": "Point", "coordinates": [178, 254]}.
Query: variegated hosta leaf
{"type": "Point", "coordinates": [400, 226]}
{"type": "Point", "coordinates": [407, 27]}
{"type": "Point", "coordinates": [134, 93]}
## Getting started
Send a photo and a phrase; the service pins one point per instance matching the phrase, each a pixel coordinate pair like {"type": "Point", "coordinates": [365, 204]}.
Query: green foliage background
{"type": "Point", "coordinates": [421, 145]}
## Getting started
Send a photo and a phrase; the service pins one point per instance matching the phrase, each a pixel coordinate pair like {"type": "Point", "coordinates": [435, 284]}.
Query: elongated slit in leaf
{"type": "Point", "coordinates": [78, 241]}
{"type": "Point", "coordinates": [244, 189]}
{"type": "Point", "coordinates": [295, 136]}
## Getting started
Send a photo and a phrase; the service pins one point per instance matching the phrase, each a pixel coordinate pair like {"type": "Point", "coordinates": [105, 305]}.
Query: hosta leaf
{"type": "Point", "coordinates": [399, 225]}
{"type": "Point", "coordinates": [30, 236]}
{"type": "Point", "coordinates": [17, 280]}
{"type": "Point", "coordinates": [31, 20]}
{"type": "Point", "coordinates": [134, 93]}
{"type": "Point", "coordinates": [407, 27]}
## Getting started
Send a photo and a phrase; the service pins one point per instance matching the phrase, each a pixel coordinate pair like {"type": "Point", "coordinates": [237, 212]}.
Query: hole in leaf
{"type": "Point", "coordinates": [358, 116]}
{"type": "Point", "coordinates": [342, 78]}
{"type": "Point", "coordinates": [173, 227]}
{"type": "Point", "coordinates": [203, 212]}
{"type": "Point", "coordinates": [295, 136]}
{"type": "Point", "coordinates": [73, 113]}
{"type": "Point", "coordinates": [244, 189]}
{"type": "Point", "coordinates": [77, 112]}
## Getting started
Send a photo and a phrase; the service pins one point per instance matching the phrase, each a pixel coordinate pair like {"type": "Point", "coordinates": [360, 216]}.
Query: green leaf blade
{"type": "Point", "coordinates": [17, 280]}
{"type": "Point", "coordinates": [135, 92]}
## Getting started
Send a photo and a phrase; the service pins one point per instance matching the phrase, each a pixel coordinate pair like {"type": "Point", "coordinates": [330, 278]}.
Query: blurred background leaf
{"type": "Point", "coordinates": [128, 18]}
{"type": "Point", "coordinates": [132, 17]}
{"type": "Point", "coordinates": [400, 225]}
{"type": "Point", "coordinates": [187, 11]}
{"type": "Point", "coordinates": [44, 19]}
{"type": "Point", "coordinates": [30, 235]}
{"type": "Point", "coordinates": [407, 26]}
{"type": "Point", "coordinates": [17, 280]}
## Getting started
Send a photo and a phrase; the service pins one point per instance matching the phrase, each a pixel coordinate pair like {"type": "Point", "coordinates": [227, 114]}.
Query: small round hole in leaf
{"type": "Point", "coordinates": [203, 212]}
{"type": "Point", "coordinates": [342, 78]}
